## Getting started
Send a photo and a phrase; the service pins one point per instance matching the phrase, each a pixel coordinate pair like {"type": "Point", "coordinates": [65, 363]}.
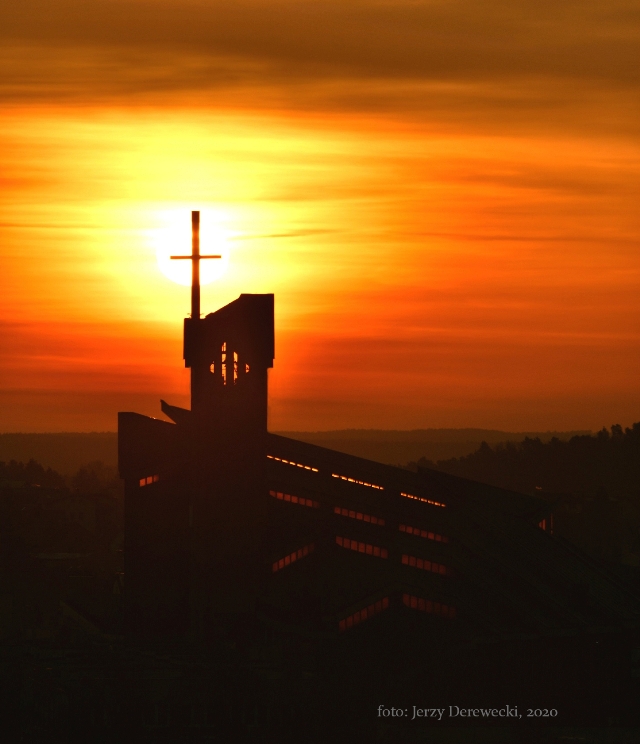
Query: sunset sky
{"type": "Point", "coordinates": [443, 196]}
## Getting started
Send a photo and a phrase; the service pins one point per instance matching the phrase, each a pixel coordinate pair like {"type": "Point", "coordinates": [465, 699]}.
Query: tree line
{"type": "Point", "coordinates": [92, 478]}
{"type": "Point", "coordinates": [605, 465]}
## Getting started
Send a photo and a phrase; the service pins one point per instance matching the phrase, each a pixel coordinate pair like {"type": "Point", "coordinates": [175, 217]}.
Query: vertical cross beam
{"type": "Point", "coordinates": [195, 259]}
{"type": "Point", "coordinates": [195, 264]}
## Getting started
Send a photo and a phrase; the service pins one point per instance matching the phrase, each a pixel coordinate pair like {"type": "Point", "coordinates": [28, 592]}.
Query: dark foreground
{"type": "Point", "coordinates": [258, 684]}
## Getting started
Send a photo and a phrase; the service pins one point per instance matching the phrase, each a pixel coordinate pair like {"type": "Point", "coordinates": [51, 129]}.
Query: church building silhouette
{"type": "Point", "coordinates": [225, 520]}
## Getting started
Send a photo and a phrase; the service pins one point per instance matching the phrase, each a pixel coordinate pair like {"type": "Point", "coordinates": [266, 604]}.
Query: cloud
{"type": "Point", "coordinates": [477, 61]}
{"type": "Point", "coordinates": [407, 39]}
{"type": "Point", "coordinates": [456, 181]}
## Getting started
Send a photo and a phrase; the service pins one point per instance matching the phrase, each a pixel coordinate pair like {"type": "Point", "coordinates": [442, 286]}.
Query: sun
{"type": "Point", "coordinates": [174, 238]}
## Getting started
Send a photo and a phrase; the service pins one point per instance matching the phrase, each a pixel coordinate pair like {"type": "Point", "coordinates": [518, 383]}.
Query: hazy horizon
{"type": "Point", "coordinates": [68, 451]}
{"type": "Point", "coordinates": [339, 431]}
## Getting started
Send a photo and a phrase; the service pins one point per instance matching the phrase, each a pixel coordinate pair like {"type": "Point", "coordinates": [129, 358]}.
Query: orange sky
{"type": "Point", "coordinates": [443, 197]}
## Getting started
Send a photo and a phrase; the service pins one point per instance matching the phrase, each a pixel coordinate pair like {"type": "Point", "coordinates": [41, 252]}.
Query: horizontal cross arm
{"type": "Point", "coordinates": [196, 257]}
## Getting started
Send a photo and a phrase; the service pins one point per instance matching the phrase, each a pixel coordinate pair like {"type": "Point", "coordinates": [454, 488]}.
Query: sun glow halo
{"type": "Point", "coordinates": [174, 239]}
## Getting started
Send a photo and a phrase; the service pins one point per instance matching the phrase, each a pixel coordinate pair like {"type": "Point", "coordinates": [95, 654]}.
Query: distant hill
{"type": "Point", "coordinates": [67, 452]}
{"type": "Point", "coordinates": [400, 447]}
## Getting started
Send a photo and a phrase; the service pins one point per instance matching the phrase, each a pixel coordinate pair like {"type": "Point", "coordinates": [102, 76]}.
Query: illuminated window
{"type": "Point", "coordinates": [148, 480]}
{"type": "Point", "coordinates": [292, 557]}
{"type": "Point", "coordinates": [361, 547]}
{"type": "Point", "coordinates": [246, 369]}
{"type": "Point", "coordinates": [358, 515]}
{"type": "Point", "coordinates": [294, 499]}
{"type": "Point", "coordinates": [359, 482]}
{"type": "Point", "coordinates": [421, 498]}
{"type": "Point", "coordinates": [364, 614]}
{"type": "Point", "coordinates": [235, 367]}
{"type": "Point", "coordinates": [428, 606]}
{"type": "Point", "coordinates": [290, 462]}
{"type": "Point", "coordinates": [424, 565]}
{"type": "Point", "coordinates": [224, 363]}
{"type": "Point", "coordinates": [422, 533]}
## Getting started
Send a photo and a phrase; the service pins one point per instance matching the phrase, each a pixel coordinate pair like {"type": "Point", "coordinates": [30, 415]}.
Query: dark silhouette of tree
{"type": "Point", "coordinates": [94, 478]}
{"type": "Point", "coordinates": [593, 482]}
{"type": "Point", "coordinates": [30, 474]}
{"type": "Point", "coordinates": [583, 464]}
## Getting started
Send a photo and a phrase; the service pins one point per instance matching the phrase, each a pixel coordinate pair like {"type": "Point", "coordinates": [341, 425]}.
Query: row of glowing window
{"type": "Point", "coordinates": [358, 482]}
{"type": "Point", "coordinates": [426, 605]}
{"type": "Point", "coordinates": [424, 564]}
{"type": "Point", "coordinates": [366, 549]}
{"type": "Point", "coordinates": [155, 478]}
{"type": "Point", "coordinates": [409, 600]}
{"type": "Point", "coordinates": [422, 533]}
{"type": "Point", "coordinates": [421, 498]}
{"type": "Point", "coordinates": [359, 515]}
{"type": "Point", "coordinates": [407, 560]}
{"type": "Point", "coordinates": [361, 547]}
{"type": "Point", "coordinates": [293, 557]}
{"type": "Point", "coordinates": [336, 509]}
{"type": "Point", "coordinates": [291, 462]}
{"type": "Point", "coordinates": [364, 614]}
{"type": "Point", "coordinates": [294, 499]}
{"type": "Point", "coordinates": [148, 480]}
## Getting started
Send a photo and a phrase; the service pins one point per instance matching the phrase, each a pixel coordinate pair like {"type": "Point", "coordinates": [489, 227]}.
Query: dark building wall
{"type": "Point", "coordinates": [352, 510]}
{"type": "Point", "coordinates": [194, 539]}
{"type": "Point", "coordinates": [153, 464]}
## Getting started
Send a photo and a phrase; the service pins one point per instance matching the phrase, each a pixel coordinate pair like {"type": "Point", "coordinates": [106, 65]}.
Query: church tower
{"type": "Point", "coordinates": [195, 489]}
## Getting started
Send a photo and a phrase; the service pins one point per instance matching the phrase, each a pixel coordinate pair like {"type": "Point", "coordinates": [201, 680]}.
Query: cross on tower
{"type": "Point", "coordinates": [195, 258]}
